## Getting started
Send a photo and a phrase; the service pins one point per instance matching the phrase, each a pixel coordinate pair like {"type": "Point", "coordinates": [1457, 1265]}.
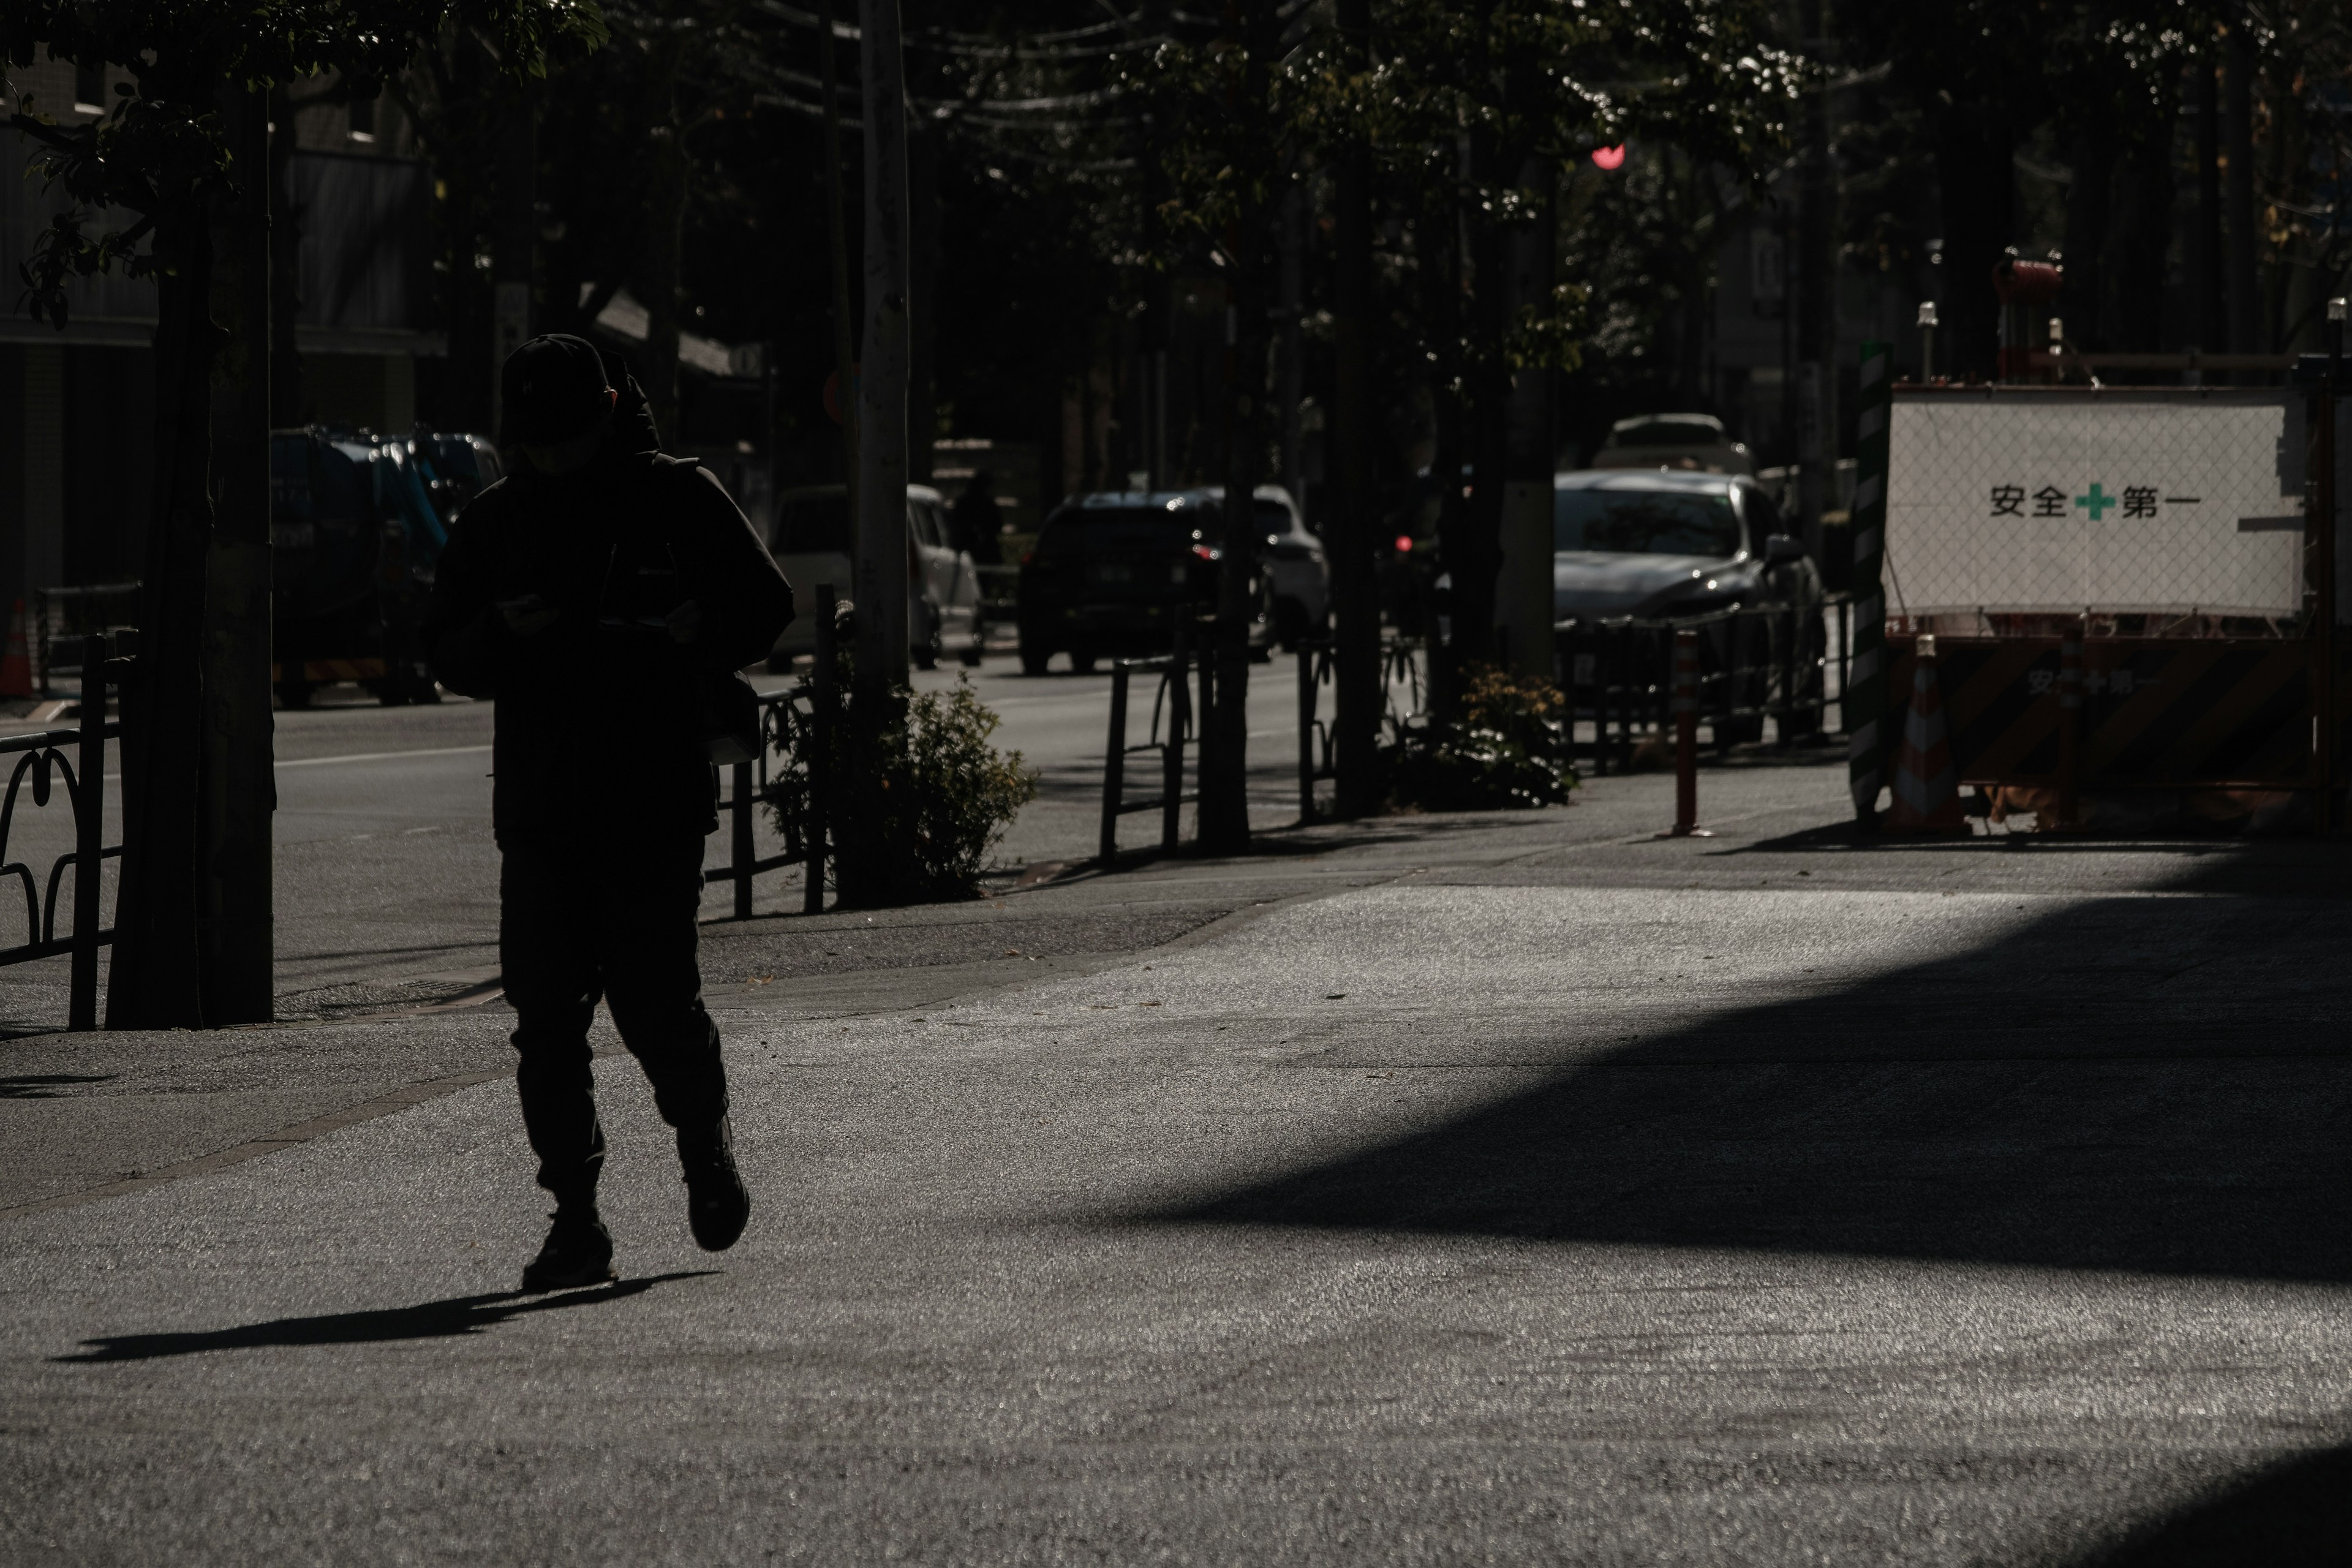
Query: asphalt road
{"type": "Point", "coordinates": [386, 873]}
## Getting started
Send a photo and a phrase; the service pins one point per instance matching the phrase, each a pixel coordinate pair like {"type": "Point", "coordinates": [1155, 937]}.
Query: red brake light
{"type": "Point", "coordinates": [1204, 552]}
{"type": "Point", "coordinates": [1404, 544]}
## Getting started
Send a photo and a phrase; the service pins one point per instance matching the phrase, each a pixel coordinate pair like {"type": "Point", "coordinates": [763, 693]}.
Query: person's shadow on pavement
{"type": "Point", "coordinates": [428, 1320]}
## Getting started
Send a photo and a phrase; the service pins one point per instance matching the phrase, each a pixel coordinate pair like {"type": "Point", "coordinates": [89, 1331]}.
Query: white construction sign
{"type": "Point", "coordinates": [2058, 501]}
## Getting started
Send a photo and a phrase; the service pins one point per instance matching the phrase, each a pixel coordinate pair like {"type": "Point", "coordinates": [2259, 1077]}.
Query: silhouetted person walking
{"type": "Point", "coordinates": [974, 521]}
{"type": "Point", "coordinates": [593, 591]}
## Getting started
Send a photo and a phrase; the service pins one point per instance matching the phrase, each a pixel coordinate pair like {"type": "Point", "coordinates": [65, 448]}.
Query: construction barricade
{"type": "Point", "coordinates": [2129, 598]}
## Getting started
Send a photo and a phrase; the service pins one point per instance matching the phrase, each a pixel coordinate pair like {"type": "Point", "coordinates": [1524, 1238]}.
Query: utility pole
{"type": "Point", "coordinates": [881, 567]}
{"type": "Point", "coordinates": [237, 789]}
{"type": "Point", "coordinates": [1355, 520]}
{"type": "Point", "coordinates": [1523, 592]}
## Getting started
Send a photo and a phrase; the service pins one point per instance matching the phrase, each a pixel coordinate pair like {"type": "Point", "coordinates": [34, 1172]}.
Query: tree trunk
{"type": "Point", "coordinates": [881, 569]}
{"type": "Point", "coordinates": [1474, 555]}
{"type": "Point", "coordinates": [838, 237]}
{"type": "Point", "coordinates": [514, 228]}
{"type": "Point", "coordinates": [289, 405]}
{"type": "Point", "coordinates": [2246, 335]}
{"type": "Point", "coordinates": [1817, 325]}
{"type": "Point", "coordinates": [1355, 522]}
{"type": "Point", "coordinates": [1975, 148]}
{"type": "Point", "coordinates": [665, 239]}
{"type": "Point", "coordinates": [1224, 734]}
{"type": "Point", "coordinates": [239, 790]}
{"type": "Point", "coordinates": [2139, 239]}
{"type": "Point", "coordinates": [2207, 286]}
{"type": "Point", "coordinates": [1441, 281]}
{"type": "Point", "coordinates": [1290, 346]}
{"type": "Point", "coordinates": [922, 326]}
{"type": "Point", "coordinates": [156, 979]}
{"type": "Point", "coordinates": [2082, 299]}
{"type": "Point", "coordinates": [1523, 589]}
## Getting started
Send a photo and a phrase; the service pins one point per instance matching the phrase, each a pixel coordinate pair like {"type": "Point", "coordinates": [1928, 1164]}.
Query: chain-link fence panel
{"type": "Point", "coordinates": [2031, 499]}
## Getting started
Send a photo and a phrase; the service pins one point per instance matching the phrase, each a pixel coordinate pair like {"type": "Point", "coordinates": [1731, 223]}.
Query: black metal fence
{"type": "Point", "coordinates": [1168, 737]}
{"type": "Point", "coordinates": [76, 758]}
{"type": "Point", "coordinates": [65, 618]}
{"type": "Point", "coordinates": [1405, 689]}
{"type": "Point", "coordinates": [793, 722]}
{"type": "Point", "coordinates": [1754, 663]}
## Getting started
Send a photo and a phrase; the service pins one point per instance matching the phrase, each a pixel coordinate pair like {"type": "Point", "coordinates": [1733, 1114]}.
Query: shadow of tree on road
{"type": "Point", "coordinates": [2144, 1083]}
{"type": "Point", "coordinates": [427, 1319]}
{"type": "Point", "coordinates": [2298, 1514]}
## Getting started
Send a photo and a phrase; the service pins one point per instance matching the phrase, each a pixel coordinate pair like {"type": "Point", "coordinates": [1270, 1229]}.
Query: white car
{"type": "Point", "coordinates": [1694, 442]}
{"type": "Point", "coordinates": [1294, 563]}
{"type": "Point", "coordinates": [812, 545]}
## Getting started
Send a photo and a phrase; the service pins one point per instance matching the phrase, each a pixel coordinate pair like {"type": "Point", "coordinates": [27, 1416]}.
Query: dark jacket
{"type": "Point", "coordinates": [596, 737]}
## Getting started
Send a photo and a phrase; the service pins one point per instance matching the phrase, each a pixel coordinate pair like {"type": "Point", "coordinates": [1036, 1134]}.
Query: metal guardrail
{"type": "Point", "coordinates": [1400, 665]}
{"type": "Point", "coordinates": [792, 721]}
{"type": "Point", "coordinates": [79, 754]}
{"type": "Point", "coordinates": [1173, 701]}
{"type": "Point", "coordinates": [1618, 672]}
{"type": "Point", "coordinates": [63, 617]}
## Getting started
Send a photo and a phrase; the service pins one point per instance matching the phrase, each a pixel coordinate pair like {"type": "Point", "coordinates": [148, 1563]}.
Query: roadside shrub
{"type": "Point", "coordinates": [915, 822]}
{"type": "Point", "coordinates": [1506, 746]}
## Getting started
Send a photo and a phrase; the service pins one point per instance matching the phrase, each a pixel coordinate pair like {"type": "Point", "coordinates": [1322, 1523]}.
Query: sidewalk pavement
{"type": "Point", "coordinates": [1509, 1189]}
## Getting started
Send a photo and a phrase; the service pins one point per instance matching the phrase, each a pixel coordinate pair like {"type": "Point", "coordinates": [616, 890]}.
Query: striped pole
{"type": "Point", "coordinates": [1864, 703]}
{"type": "Point", "coordinates": [1685, 732]}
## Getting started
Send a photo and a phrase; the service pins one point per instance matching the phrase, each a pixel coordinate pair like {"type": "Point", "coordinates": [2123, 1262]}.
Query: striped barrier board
{"type": "Point", "coordinates": [332, 670]}
{"type": "Point", "coordinates": [2156, 712]}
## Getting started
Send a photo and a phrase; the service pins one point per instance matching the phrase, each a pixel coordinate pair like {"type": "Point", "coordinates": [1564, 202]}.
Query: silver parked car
{"type": "Point", "coordinates": [812, 545]}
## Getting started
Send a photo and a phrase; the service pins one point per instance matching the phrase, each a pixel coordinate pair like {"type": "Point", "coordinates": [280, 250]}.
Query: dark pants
{"type": "Point", "coordinates": [574, 925]}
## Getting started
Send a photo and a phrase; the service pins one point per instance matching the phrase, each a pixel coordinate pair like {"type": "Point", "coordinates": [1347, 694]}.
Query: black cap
{"type": "Point", "coordinates": [554, 390]}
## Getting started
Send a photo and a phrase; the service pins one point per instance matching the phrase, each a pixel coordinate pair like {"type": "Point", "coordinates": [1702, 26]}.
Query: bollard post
{"type": "Point", "coordinates": [1305, 730]}
{"type": "Point", "coordinates": [1845, 671]}
{"type": "Point", "coordinates": [1179, 730]}
{"type": "Point", "coordinates": [1114, 764]}
{"type": "Point", "coordinates": [2070, 726]}
{"type": "Point", "coordinates": [820, 751]}
{"type": "Point", "coordinates": [740, 835]}
{"type": "Point", "coordinates": [1685, 707]}
{"type": "Point", "coordinates": [89, 831]}
{"type": "Point", "coordinates": [1788, 680]}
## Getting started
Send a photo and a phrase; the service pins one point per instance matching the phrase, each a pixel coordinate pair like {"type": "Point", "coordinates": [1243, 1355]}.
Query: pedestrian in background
{"type": "Point", "coordinates": [974, 521]}
{"type": "Point", "coordinates": [594, 592]}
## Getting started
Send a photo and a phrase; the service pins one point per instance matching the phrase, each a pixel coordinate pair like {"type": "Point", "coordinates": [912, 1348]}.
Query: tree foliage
{"type": "Point", "coordinates": [162, 144]}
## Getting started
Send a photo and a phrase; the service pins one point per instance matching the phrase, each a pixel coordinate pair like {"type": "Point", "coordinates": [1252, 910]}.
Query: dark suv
{"type": "Point", "coordinates": [357, 522]}
{"type": "Point", "coordinates": [1112, 574]}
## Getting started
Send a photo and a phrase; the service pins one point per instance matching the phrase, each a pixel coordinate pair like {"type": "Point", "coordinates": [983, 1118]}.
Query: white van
{"type": "Point", "coordinates": [811, 545]}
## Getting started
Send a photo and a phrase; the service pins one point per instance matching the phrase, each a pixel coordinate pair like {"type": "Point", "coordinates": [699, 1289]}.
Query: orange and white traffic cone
{"type": "Point", "coordinates": [1927, 789]}
{"type": "Point", "coordinates": [16, 662]}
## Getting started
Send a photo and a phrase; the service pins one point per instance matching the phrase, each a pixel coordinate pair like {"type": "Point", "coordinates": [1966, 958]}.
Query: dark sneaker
{"type": "Point", "coordinates": [717, 1204]}
{"type": "Point", "coordinates": [579, 1251]}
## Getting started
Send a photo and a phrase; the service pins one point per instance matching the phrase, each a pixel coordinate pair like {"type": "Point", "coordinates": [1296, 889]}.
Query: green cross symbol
{"type": "Point", "coordinates": [2097, 502]}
